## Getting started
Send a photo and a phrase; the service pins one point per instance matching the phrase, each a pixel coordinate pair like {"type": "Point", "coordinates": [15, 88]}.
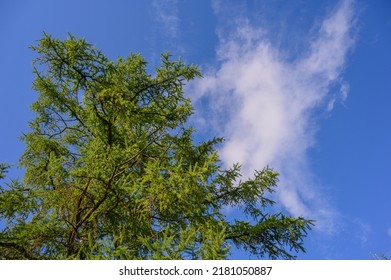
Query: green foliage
{"type": "Point", "coordinates": [3, 170]}
{"type": "Point", "coordinates": [112, 172]}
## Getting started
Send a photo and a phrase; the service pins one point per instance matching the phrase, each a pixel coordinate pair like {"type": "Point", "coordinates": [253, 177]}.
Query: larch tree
{"type": "Point", "coordinates": [111, 170]}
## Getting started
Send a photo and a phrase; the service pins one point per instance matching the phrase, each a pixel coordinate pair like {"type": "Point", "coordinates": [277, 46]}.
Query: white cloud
{"type": "Point", "coordinates": [364, 231]}
{"type": "Point", "coordinates": [340, 97]}
{"type": "Point", "coordinates": [264, 105]}
{"type": "Point", "coordinates": [165, 13]}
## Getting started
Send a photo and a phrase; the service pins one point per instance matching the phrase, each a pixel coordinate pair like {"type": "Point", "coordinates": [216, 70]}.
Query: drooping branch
{"type": "Point", "coordinates": [19, 249]}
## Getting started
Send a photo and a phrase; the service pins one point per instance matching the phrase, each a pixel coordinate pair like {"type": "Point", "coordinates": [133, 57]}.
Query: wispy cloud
{"type": "Point", "coordinates": [167, 28]}
{"type": "Point", "coordinates": [165, 13]}
{"type": "Point", "coordinates": [389, 248]}
{"type": "Point", "coordinates": [264, 104]}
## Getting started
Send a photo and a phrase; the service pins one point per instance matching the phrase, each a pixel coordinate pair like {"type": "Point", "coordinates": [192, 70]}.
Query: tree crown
{"type": "Point", "coordinates": [112, 171]}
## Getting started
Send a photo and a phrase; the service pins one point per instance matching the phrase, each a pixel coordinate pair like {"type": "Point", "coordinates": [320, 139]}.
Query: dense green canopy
{"type": "Point", "coordinates": [112, 171]}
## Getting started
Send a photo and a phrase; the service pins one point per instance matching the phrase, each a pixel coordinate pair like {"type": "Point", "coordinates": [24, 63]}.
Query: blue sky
{"type": "Point", "coordinates": [301, 86]}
